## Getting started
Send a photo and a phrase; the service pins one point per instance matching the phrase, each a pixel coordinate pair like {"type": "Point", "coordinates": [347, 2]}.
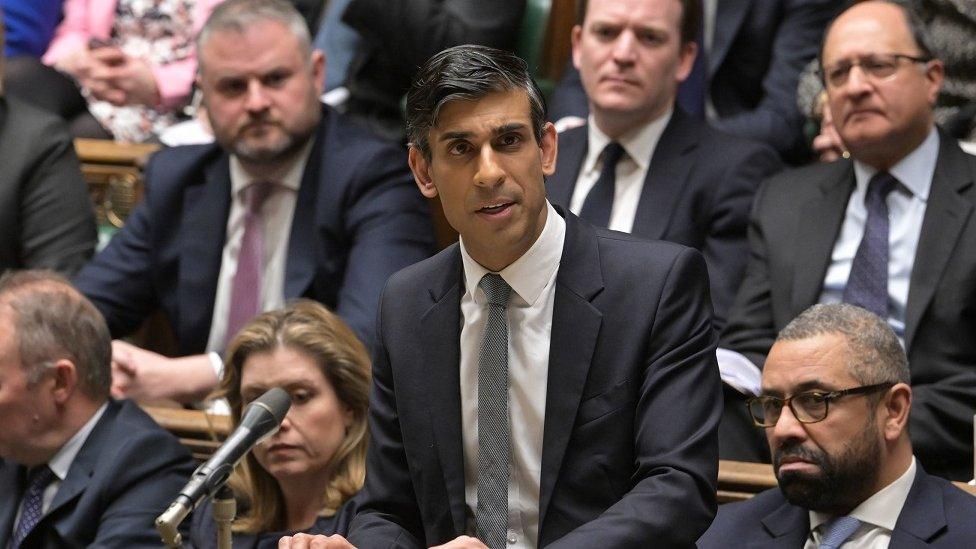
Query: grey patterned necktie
{"type": "Point", "coordinates": [867, 285]}
{"type": "Point", "coordinates": [31, 505]}
{"type": "Point", "coordinates": [493, 437]}
{"type": "Point", "coordinates": [837, 531]}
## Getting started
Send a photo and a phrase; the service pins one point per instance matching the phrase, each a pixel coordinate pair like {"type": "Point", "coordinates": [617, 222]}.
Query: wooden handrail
{"type": "Point", "coordinates": [102, 151]}
{"type": "Point", "coordinates": [202, 433]}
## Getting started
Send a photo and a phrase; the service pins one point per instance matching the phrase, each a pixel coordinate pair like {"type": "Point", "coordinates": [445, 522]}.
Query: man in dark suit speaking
{"type": "Point", "coordinates": [294, 201]}
{"type": "Point", "coordinates": [892, 230]}
{"type": "Point", "coordinates": [641, 165]}
{"type": "Point", "coordinates": [77, 469]}
{"type": "Point", "coordinates": [542, 382]}
{"type": "Point", "coordinates": [835, 404]}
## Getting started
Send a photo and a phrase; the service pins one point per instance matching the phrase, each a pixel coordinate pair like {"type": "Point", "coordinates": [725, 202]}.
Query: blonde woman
{"type": "Point", "coordinates": [305, 477]}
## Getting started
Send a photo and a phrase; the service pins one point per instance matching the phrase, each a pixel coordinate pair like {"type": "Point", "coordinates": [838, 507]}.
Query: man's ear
{"type": "Point", "coordinates": [550, 146]}
{"type": "Point", "coordinates": [318, 70]}
{"type": "Point", "coordinates": [420, 167]}
{"type": "Point", "coordinates": [65, 380]}
{"type": "Point", "coordinates": [686, 61]}
{"type": "Point", "coordinates": [897, 403]}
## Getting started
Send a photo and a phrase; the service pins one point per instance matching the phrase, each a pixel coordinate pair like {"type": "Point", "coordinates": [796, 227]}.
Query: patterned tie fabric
{"type": "Point", "coordinates": [37, 480]}
{"type": "Point", "coordinates": [867, 285]}
{"type": "Point", "coordinates": [246, 286]}
{"type": "Point", "coordinates": [599, 201]}
{"type": "Point", "coordinates": [491, 515]}
{"type": "Point", "coordinates": [837, 531]}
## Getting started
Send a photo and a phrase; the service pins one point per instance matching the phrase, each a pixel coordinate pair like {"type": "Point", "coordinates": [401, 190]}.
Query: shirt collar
{"type": "Point", "coordinates": [289, 176]}
{"type": "Point", "coordinates": [529, 274]}
{"type": "Point", "coordinates": [639, 143]}
{"type": "Point", "coordinates": [915, 171]}
{"type": "Point", "coordinates": [61, 462]}
{"type": "Point", "coordinates": [882, 508]}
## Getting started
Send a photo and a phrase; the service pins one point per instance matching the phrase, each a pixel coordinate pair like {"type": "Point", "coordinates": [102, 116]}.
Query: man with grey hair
{"type": "Point", "coordinates": [293, 200]}
{"type": "Point", "coordinates": [76, 467]}
{"type": "Point", "coordinates": [835, 402]}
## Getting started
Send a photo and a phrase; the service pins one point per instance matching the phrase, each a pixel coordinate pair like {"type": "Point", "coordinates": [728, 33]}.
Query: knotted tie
{"type": "Point", "coordinates": [867, 285]}
{"type": "Point", "coordinates": [246, 286]}
{"type": "Point", "coordinates": [493, 438]}
{"type": "Point", "coordinates": [31, 512]}
{"type": "Point", "coordinates": [837, 531]}
{"type": "Point", "coordinates": [599, 201]}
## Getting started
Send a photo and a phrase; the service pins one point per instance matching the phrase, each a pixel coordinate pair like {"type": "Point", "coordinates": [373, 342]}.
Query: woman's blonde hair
{"type": "Point", "coordinates": [307, 327]}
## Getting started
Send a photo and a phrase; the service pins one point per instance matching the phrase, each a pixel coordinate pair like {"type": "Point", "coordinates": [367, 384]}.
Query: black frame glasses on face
{"type": "Point", "coordinates": [807, 406]}
{"type": "Point", "coordinates": [878, 66]}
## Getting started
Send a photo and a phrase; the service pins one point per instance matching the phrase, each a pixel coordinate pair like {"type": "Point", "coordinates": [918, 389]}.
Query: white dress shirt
{"type": "Point", "coordinates": [630, 174]}
{"type": "Point", "coordinates": [61, 462]}
{"type": "Point", "coordinates": [878, 515]}
{"type": "Point", "coordinates": [529, 315]}
{"type": "Point", "coordinates": [278, 211]}
{"type": "Point", "coordinates": [906, 211]}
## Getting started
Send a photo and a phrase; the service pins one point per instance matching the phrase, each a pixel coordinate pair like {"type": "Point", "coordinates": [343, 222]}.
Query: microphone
{"type": "Point", "coordinates": [261, 419]}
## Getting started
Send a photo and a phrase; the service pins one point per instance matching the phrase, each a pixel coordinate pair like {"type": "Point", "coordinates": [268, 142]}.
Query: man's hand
{"type": "Point", "coordinates": [828, 144]}
{"type": "Point", "coordinates": [145, 376]}
{"type": "Point", "coordinates": [301, 541]}
{"type": "Point", "coordinates": [77, 65]}
{"type": "Point", "coordinates": [463, 542]}
{"type": "Point", "coordinates": [121, 79]}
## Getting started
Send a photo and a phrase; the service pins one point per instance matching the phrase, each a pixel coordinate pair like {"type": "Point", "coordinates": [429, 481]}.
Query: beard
{"type": "Point", "coordinates": [270, 149]}
{"type": "Point", "coordinates": [844, 480]}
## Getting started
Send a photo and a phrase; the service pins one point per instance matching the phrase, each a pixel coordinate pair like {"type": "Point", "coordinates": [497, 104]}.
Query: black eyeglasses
{"type": "Point", "coordinates": [807, 407]}
{"type": "Point", "coordinates": [878, 66]}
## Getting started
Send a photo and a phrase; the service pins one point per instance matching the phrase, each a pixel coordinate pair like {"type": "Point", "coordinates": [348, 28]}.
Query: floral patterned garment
{"type": "Point", "coordinates": [160, 31]}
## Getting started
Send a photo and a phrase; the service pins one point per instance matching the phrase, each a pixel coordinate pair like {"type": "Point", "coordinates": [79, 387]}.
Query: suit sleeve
{"type": "Point", "coordinates": [776, 119]}
{"type": "Point", "coordinates": [119, 279]}
{"type": "Point", "coordinates": [144, 483]}
{"type": "Point", "coordinates": [726, 246]}
{"type": "Point", "coordinates": [57, 229]}
{"type": "Point", "coordinates": [388, 515]}
{"type": "Point", "coordinates": [751, 329]}
{"type": "Point", "coordinates": [672, 500]}
{"type": "Point", "coordinates": [388, 228]}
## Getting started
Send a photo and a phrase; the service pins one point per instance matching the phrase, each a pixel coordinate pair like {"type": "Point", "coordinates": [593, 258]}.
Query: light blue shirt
{"type": "Point", "coordinates": [906, 210]}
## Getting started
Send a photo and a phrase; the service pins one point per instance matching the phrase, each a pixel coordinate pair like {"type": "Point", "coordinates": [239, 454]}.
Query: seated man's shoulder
{"type": "Point", "coordinates": [732, 149]}
{"type": "Point", "coordinates": [355, 136]}
{"type": "Point", "coordinates": [418, 276]}
{"type": "Point", "coordinates": [626, 250]}
{"type": "Point", "coordinates": [30, 122]}
{"type": "Point", "coordinates": [136, 437]}
{"type": "Point", "coordinates": [742, 520]}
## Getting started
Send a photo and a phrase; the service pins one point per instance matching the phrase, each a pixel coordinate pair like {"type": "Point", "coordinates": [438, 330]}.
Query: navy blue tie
{"type": "Point", "coordinates": [867, 285]}
{"type": "Point", "coordinates": [32, 503]}
{"type": "Point", "coordinates": [599, 201]}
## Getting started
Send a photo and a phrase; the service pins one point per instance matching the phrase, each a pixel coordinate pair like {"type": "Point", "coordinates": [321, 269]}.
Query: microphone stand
{"type": "Point", "coordinates": [224, 511]}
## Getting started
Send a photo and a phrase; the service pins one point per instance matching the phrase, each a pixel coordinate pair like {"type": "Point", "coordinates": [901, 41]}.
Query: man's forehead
{"type": "Point", "coordinates": [487, 114]}
{"type": "Point", "coordinates": [818, 361]}
{"type": "Point", "coordinates": [869, 28]}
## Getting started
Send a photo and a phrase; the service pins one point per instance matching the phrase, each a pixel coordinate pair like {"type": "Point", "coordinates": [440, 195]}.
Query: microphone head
{"type": "Point", "coordinates": [276, 401]}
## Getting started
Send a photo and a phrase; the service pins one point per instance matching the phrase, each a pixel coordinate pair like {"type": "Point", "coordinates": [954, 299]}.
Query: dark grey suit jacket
{"type": "Point", "coordinates": [46, 216]}
{"type": "Point", "coordinates": [632, 402]}
{"type": "Point", "coordinates": [795, 222]}
{"type": "Point", "coordinates": [936, 514]}
{"type": "Point", "coordinates": [126, 474]}
{"type": "Point", "coordinates": [698, 192]}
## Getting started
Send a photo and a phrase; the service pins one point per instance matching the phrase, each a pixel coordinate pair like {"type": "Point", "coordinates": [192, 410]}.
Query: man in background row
{"type": "Point", "coordinates": [76, 467]}
{"type": "Point", "coordinates": [293, 200]}
{"type": "Point", "coordinates": [641, 165]}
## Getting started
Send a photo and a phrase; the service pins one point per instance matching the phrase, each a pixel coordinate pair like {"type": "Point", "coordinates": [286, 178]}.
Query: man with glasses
{"type": "Point", "coordinates": [835, 404]}
{"type": "Point", "coordinates": [891, 229]}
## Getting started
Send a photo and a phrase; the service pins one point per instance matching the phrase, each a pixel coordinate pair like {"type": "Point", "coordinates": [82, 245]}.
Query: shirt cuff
{"type": "Point", "coordinates": [738, 372]}
{"type": "Point", "coordinates": [218, 365]}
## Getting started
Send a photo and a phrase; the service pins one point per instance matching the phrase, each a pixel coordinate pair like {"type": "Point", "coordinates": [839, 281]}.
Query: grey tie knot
{"type": "Point", "coordinates": [837, 531]}
{"type": "Point", "coordinates": [495, 288]}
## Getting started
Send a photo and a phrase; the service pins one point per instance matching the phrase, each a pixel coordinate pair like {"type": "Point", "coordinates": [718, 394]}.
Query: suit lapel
{"type": "Point", "coordinates": [202, 239]}
{"type": "Point", "coordinates": [787, 527]}
{"type": "Point", "coordinates": [83, 466]}
{"type": "Point", "coordinates": [575, 328]}
{"type": "Point", "coordinates": [923, 515]}
{"type": "Point", "coordinates": [12, 479]}
{"type": "Point", "coordinates": [666, 176]}
{"type": "Point", "coordinates": [300, 263]}
{"type": "Point", "coordinates": [441, 377]}
{"type": "Point", "coordinates": [569, 162]}
{"type": "Point", "coordinates": [945, 216]}
{"type": "Point", "coordinates": [819, 224]}
{"type": "Point", "coordinates": [729, 15]}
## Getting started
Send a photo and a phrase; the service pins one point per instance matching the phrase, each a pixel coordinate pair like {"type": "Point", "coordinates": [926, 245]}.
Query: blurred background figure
{"type": "Point", "coordinates": [305, 477]}
{"type": "Point", "coordinates": [77, 469]}
{"type": "Point", "coordinates": [29, 25]}
{"type": "Point", "coordinates": [119, 69]}
{"type": "Point", "coordinates": [46, 217]}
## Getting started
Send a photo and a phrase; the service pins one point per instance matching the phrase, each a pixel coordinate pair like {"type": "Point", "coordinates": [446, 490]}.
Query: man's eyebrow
{"type": "Point", "coordinates": [447, 136]}
{"type": "Point", "coordinates": [506, 128]}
